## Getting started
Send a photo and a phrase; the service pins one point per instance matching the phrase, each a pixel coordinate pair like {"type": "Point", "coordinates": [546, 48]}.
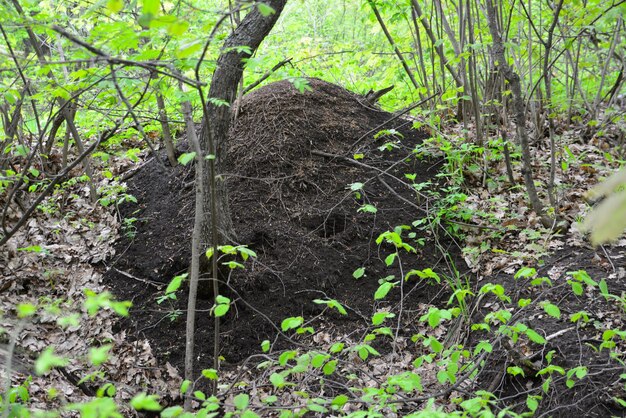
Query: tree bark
{"type": "Point", "coordinates": [250, 33]}
{"type": "Point", "coordinates": [519, 111]}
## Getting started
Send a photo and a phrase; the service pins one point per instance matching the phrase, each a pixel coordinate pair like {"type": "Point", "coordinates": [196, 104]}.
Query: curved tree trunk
{"type": "Point", "coordinates": [213, 224]}
{"type": "Point", "coordinates": [250, 33]}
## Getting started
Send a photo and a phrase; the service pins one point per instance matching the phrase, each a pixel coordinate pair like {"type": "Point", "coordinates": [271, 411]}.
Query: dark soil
{"type": "Point", "coordinates": [571, 344]}
{"type": "Point", "coordinates": [291, 164]}
{"type": "Point", "coordinates": [289, 176]}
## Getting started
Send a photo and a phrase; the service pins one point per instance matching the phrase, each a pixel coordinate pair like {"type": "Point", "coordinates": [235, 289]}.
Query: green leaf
{"type": "Point", "coordinates": [209, 253]}
{"type": "Point", "coordinates": [22, 150]}
{"type": "Point", "coordinates": [532, 402]}
{"type": "Point", "coordinates": [337, 348]}
{"type": "Point", "coordinates": [151, 7]}
{"type": "Point", "coordinates": [356, 186]}
{"type": "Point", "coordinates": [265, 10]}
{"type": "Point", "coordinates": [47, 361]}
{"type": "Point", "coordinates": [604, 288]}
{"type": "Point", "coordinates": [552, 310]}
{"type": "Point", "coordinates": [608, 220]}
{"type": "Point", "coordinates": [358, 273]}
{"type": "Point", "coordinates": [177, 28]}
{"type": "Point", "coordinates": [62, 93]}
{"type": "Point", "coordinates": [25, 310]}
{"type": "Point", "coordinates": [339, 401]}
{"type": "Point", "coordinates": [329, 368]}
{"type": "Point", "coordinates": [265, 346]}
{"type": "Point", "coordinates": [390, 258]}
{"type": "Point", "coordinates": [442, 376]}
{"type": "Point", "coordinates": [222, 299]}
{"type": "Point", "coordinates": [332, 303]}
{"type": "Point", "coordinates": [525, 272]}
{"type": "Point", "coordinates": [187, 157]}
{"type": "Point", "coordinates": [188, 49]}
{"type": "Point", "coordinates": [383, 289]}
{"type": "Point", "coordinates": [368, 209]}
{"type": "Point", "coordinates": [98, 355]}
{"type": "Point", "coordinates": [384, 331]}
{"type": "Point", "coordinates": [514, 371]}
{"type": "Point", "coordinates": [436, 315]}
{"type": "Point", "coordinates": [301, 84]}
{"type": "Point", "coordinates": [106, 390]}
{"type": "Point", "coordinates": [423, 274]}
{"type": "Point", "coordinates": [144, 402]}
{"type": "Point", "coordinates": [221, 310]}
{"type": "Point", "coordinates": [286, 356]}
{"type": "Point", "coordinates": [313, 407]}
{"type": "Point", "coordinates": [318, 360]}
{"type": "Point", "coordinates": [291, 323]}
{"type": "Point", "coordinates": [175, 283]}
{"type": "Point", "coordinates": [483, 346]}
{"type": "Point", "coordinates": [577, 288]}
{"type": "Point", "coordinates": [210, 374]}
{"type": "Point", "coordinates": [434, 344]}
{"type": "Point", "coordinates": [535, 337]}
{"type": "Point", "coordinates": [184, 387]}
{"type": "Point", "coordinates": [580, 315]}
{"type": "Point", "coordinates": [33, 249]}
{"type": "Point", "coordinates": [115, 5]}
{"type": "Point", "coordinates": [379, 317]}
{"type": "Point", "coordinates": [278, 380]}
{"type": "Point", "coordinates": [241, 401]}
{"type": "Point", "coordinates": [172, 412]}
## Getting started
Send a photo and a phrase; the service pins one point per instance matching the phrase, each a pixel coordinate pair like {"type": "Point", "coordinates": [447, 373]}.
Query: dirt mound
{"type": "Point", "coordinates": [278, 126]}
{"type": "Point", "coordinates": [290, 171]}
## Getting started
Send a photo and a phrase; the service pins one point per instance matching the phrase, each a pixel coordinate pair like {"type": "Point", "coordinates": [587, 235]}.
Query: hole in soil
{"type": "Point", "coordinates": [328, 226]}
{"type": "Point", "coordinates": [261, 242]}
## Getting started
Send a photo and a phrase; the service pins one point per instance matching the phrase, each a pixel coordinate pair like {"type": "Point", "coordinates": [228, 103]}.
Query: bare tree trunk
{"type": "Point", "coordinates": [547, 79]}
{"type": "Point", "coordinates": [165, 127]}
{"type": "Point", "coordinates": [518, 110]}
{"type": "Point", "coordinates": [406, 67]}
{"type": "Point", "coordinates": [213, 224]}
{"type": "Point", "coordinates": [433, 39]}
{"type": "Point", "coordinates": [251, 32]}
{"type": "Point", "coordinates": [67, 115]}
{"type": "Point", "coordinates": [420, 51]}
{"type": "Point", "coordinates": [195, 254]}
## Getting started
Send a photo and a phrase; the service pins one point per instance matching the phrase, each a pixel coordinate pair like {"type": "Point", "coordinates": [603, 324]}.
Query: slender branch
{"type": "Point", "coordinates": [266, 75]}
{"type": "Point", "coordinates": [152, 66]}
{"type": "Point", "coordinates": [406, 67]}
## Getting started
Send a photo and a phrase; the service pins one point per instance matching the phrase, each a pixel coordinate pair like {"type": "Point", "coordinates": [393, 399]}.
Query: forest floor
{"type": "Point", "coordinates": [312, 212]}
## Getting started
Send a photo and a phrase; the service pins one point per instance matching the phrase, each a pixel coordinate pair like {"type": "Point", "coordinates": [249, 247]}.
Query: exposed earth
{"type": "Point", "coordinates": [295, 161]}
{"type": "Point", "coordinates": [290, 204]}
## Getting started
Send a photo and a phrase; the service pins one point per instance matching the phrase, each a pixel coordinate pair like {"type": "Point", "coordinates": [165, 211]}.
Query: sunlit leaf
{"type": "Point", "coordinates": [115, 5]}
{"type": "Point", "coordinates": [291, 323]}
{"type": "Point", "coordinates": [47, 360]}
{"type": "Point", "coordinates": [186, 158]}
{"type": "Point", "coordinates": [144, 402]}
{"type": "Point", "coordinates": [383, 289]}
{"type": "Point", "coordinates": [98, 355]}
